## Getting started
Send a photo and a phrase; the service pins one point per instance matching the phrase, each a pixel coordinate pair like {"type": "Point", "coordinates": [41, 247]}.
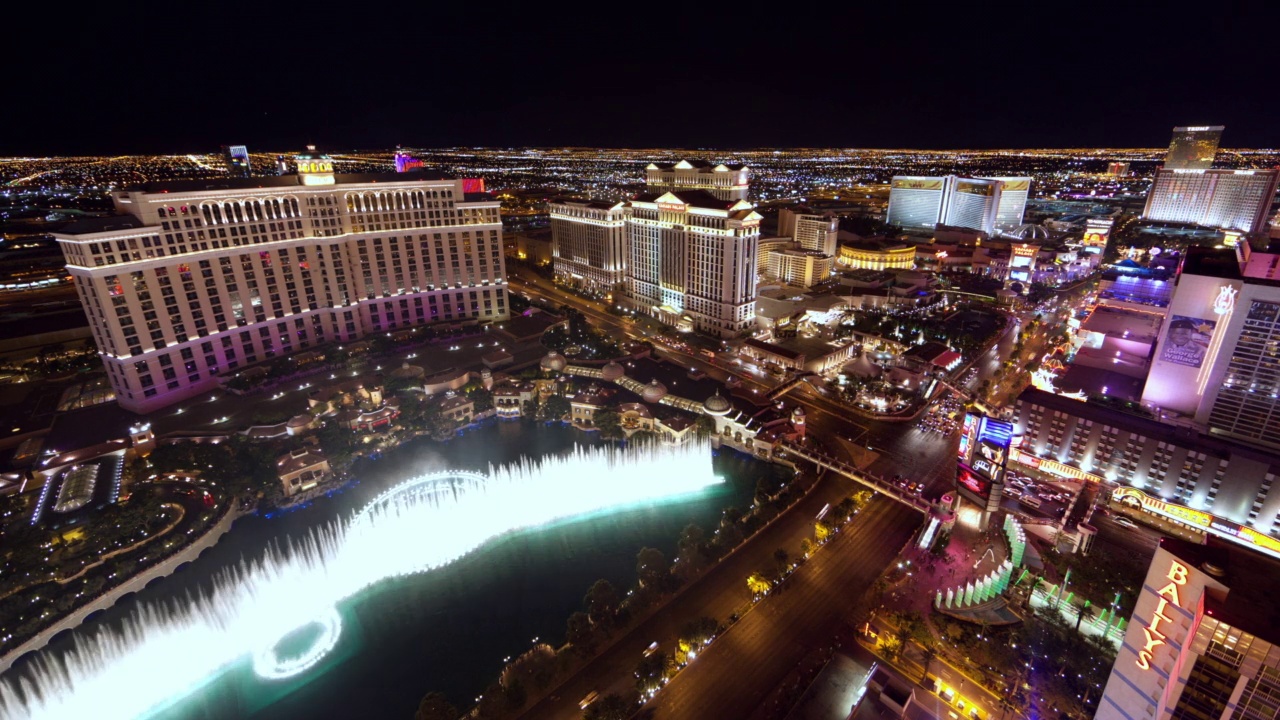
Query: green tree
{"type": "Point", "coordinates": [806, 547]}
{"type": "Point", "coordinates": [782, 561]}
{"type": "Point", "coordinates": [697, 632]}
{"type": "Point", "coordinates": [481, 398]}
{"type": "Point", "coordinates": [1085, 611]}
{"type": "Point", "coordinates": [704, 426]}
{"type": "Point", "coordinates": [435, 706]}
{"type": "Point", "coordinates": [652, 672]}
{"type": "Point", "coordinates": [609, 707]}
{"type": "Point", "coordinates": [602, 602]}
{"type": "Point", "coordinates": [609, 423]}
{"type": "Point", "coordinates": [555, 408]}
{"type": "Point", "coordinates": [535, 668]}
{"type": "Point", "coordinates": [651, 568]}
{"type": "Point", "coordinates": [580, 633]}
{"type": "Point", "coordinates": [890, 646]}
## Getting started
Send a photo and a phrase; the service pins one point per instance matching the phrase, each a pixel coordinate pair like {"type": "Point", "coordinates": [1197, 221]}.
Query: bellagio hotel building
{"type": "Point", "coordinates": [196, 278]}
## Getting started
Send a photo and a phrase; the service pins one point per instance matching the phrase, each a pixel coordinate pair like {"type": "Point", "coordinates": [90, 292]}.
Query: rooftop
{"type": "Point", "coordinates": [110, 223]}
{"type": "Point", "coordinates": [298, 460]}
{"type": "Point", "coordinates": [87, 427]}
{"type": "Point", "coordinates": [1098, 381]}
{"type": "Point", "coordinates": [163, 186]}
{"type": "Point", "coordinates": [593, 204]}
{"type": "Point", "coordinates": [693, 198]}
{"type": "Point", "coordinates": [928, 352]}
{"type": "Point", "coordinates": [1211, 262]}
{"type": "Point", "coordinates": [700, 165]}
{"type": "Point", "coordinates": [1153, 430]}
{"type": "Point", "coordinates": [1119, 322]}
{"type": "Point", "coordinates": [773, 349]}
{"type": "Point", "coordinates": [1253, 579]}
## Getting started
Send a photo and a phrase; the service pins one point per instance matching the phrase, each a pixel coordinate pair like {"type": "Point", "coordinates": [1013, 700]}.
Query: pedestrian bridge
{"type": "Point", "coordinates": [873, 482]}
{"type": "Point", "coordinates": [788, 386]}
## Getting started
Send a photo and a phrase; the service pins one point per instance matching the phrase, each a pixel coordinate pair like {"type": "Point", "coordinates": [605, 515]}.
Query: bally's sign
{"type": "Point", "coordinates": [1169, 594]}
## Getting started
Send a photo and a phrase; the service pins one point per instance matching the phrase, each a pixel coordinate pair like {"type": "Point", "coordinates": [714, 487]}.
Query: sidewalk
{"type": "Point", "coordinates": [970, 555]}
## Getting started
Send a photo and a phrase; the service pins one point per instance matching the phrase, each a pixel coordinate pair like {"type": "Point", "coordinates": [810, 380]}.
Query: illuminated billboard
{"type": "Point", "coordinates": [1024, 256]}
{"type": "Point", "coordinates": [1187, 340]}
{"type": "Point", "coordinates": [982, 456]}
{"type": "Point", "coordinates": [967, 434]}
{"type": "Point", "coordinates": [972, 484]}
{"type": "Point", "coordinates": [1096, 233]}
{"type": "Point", "coordinates": [901, 183]}
{"type": "Point", "coordinates": [1198, 519]}
{"type": "Point", "coordinates": [991, 451]}
{"type": "Point", "coordinates": [976, 187]}
{"type": "Point", "coordinates": [406, 162]}
{"type": "Point", "coordinates": [1017, 185]}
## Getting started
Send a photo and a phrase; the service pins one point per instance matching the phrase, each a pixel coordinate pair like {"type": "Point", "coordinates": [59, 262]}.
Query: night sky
{"type": "Point", "coordinates": [185, 77]}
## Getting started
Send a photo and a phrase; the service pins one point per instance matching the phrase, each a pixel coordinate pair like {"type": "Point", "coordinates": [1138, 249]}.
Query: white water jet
{"type": "Point", "coordinates": [166, 650]}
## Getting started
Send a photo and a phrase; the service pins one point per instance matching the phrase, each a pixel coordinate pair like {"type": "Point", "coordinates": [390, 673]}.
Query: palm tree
{"type": "Point", "coordinates": [1085, 609]}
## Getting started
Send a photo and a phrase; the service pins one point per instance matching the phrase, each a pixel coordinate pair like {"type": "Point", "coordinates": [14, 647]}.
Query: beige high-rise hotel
{"type": "Point", "coordinates": [193, 279]}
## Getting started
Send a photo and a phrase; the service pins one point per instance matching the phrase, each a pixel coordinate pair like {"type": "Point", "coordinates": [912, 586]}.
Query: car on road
{"type": "Point", "coordinates": [1123, 521]}
{"type": "Point", "coordinates": [1030, 501]}
{"type": "Point", "coordinates": [590, 698]}
{"type": "Point", "coordinates": [653, 648]}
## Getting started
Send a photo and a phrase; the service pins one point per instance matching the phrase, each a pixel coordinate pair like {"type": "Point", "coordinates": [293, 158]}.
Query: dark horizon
{"type": "Point", "coordinates": [998, 77]}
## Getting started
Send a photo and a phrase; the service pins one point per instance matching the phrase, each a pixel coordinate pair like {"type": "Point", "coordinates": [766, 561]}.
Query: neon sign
{"type": "Point", "coordinates": [1226, 300]}
{"type": "Point", "coordinates": [1220, 526]}
{"type": "Point", "coordinates": [1169, 593]}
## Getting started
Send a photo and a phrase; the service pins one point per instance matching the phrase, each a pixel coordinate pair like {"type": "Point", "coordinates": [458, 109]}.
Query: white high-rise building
{"type": "Point", "coordinates": [917, 203]}
{"type": "Point", "coordinates": [1013, 201]}
{"type": "Point", "coordinates": [804, 268]}
{"type": "Point", "coordinates": [726, 182]}
{"type": "Point", "coordinates": [922, 203]}
{"type": "Point", "coordinates": [972, 203]}
{"type": "Point", "coordinates": [588, 243]}
{"type": "Point", "coordinates": [692, 260]}
{"type": "Point", "coordinates": [810, 229]}
{"type": "Point", "coordinates": [1193, 147]}
{"type": "Point", "coordinates": [1227, 199]}
{"type": "Point", "coordinates": [195, 278]}
{"type": "Point", "coordinates": [1202, 642]}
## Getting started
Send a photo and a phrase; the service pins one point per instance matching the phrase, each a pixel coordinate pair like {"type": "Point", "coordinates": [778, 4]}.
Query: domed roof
{"type": "Point", "coordinates": [716, 405]}
{"type": "Point", "coordinates": [408, 371]}
{"type": "Point", "coordinates": [1029, 232]}
{"type": "Point", "coordinates": [611, 372]}
{"type": "Point", "coordinates": [654, 391]}
{"type": "Point", "coordinates": [553, 361]}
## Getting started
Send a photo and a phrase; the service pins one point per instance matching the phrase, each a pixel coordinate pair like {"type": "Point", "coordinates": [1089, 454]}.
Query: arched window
{"type": "Point", "coordinates": [162, 213]}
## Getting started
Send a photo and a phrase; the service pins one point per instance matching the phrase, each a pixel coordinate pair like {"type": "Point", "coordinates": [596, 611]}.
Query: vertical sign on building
{"type": "Point", "coordinates": [983, 455]}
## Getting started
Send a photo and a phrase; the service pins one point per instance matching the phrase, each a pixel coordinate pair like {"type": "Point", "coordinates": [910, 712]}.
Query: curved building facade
{"type": "Point", "coordinates": [193, 279]}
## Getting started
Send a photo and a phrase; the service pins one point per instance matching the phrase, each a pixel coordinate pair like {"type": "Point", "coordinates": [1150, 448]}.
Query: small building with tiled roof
{"type": "Point", "coordinates": [301, 470]}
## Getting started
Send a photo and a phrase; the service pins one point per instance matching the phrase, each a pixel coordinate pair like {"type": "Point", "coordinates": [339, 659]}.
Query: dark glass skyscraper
{"type": "Point", "coordinates": [237, 159]}
{"type": "Point", "coordinates": [1193, 147]}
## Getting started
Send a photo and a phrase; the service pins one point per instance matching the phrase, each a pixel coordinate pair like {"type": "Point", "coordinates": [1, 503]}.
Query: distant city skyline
{"type": "Point", "coordinates": [890, 77]}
